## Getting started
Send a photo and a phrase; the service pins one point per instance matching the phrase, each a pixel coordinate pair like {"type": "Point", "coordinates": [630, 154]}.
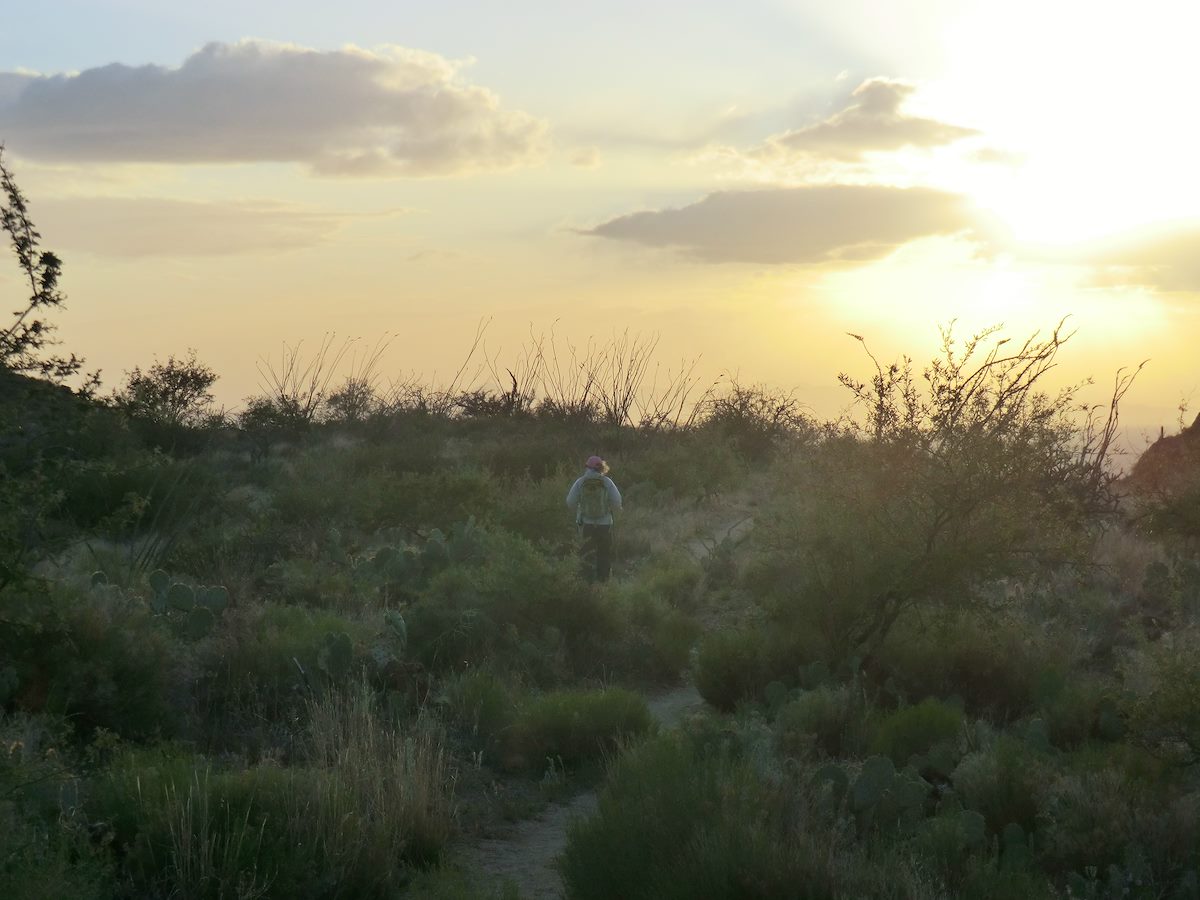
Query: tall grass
{"type": "Point", "coordinates": [384, 796]}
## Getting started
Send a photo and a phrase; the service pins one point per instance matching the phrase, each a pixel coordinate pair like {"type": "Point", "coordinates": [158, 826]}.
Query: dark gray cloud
{"type": "Point", "coordinates": [390, 111]}
{"type": "Point", "coordinates": [873, 122]}
{"type": "Point", "coordinates": [140, 227]}
{"type": "Point", "coordinates": [796, 225]}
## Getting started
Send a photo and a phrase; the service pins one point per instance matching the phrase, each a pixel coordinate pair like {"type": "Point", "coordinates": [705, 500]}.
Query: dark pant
{"type": "Point", "coordinates": [597, 550]}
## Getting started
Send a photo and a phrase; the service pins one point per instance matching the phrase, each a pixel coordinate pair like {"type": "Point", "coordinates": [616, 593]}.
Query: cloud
{"type": "Point", "coordinates": [804, 225]}
{"type": "Point", "coordinates": [1164, 259]}
{"type": "Point", "coordinates": [385, 112]}
{"type": "Point", "coordinates": [141, 227]}
{"type": "Point", "coordinates": [585, 157]}
{"type": "Point", "coordinates": [873, 122]}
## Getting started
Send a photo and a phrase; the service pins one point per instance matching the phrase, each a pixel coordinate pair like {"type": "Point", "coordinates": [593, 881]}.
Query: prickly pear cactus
{"type": "Point", "coordinates": [214, 598]}
{"type": "Point", "coordinates": [180, 597]}
{"type": "Point", "coordinates": [877, 775]}
{"type": "Point", "coordinates": [197, 623]}
{"type": "Point", "coordinates": [160, 581]}
{"type": "Point", "coordinates": [397, 629]}
{"type": "Point", "coordinates": [336, 655]}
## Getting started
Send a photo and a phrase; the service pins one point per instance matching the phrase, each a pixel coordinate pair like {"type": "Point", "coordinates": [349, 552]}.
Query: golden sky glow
{"type": "Point", "coordinates": [751, 187]}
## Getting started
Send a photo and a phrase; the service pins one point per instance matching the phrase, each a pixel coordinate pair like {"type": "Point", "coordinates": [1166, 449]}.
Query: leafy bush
{"type": "Point", "coordinates": [655, 640]}
{"type": "Point", "coordinates": [575, 726]}
{"type": "Point", "coordinates": [528, 612]}
{"type": "Point", "coordinates": [272, 653]}
{"type": "Point", "coordinates": [914, 729]}
{"type": "Point", "coordinates": [1003, 781]}
{"type": "Point", "coordinates": [1161, 701]}
{"type": "Point", "coordinates": [832, 720]}
{"type": "Point", "coordinates": [481, 704]}
{"type": "Point", "coordinates": [992, 663]}
{"type": "Point", "coordinates": [101, 659]}
{"type": "Point", "coordinates": [678, 823]}
{"type": "Point", "coordinates": [734, 666]}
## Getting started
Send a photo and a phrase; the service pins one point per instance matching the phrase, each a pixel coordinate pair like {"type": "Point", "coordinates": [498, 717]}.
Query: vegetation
{"type": "Point", "coordinates": [312, 649]}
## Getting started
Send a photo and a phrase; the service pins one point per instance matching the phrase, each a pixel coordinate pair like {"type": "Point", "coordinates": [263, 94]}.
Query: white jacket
{"type": "Point", "coordinates": [573, 496]}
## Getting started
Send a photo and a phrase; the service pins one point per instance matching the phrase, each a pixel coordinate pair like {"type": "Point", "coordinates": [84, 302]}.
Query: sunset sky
{"type": "Point", "coordinates": [750, 181]}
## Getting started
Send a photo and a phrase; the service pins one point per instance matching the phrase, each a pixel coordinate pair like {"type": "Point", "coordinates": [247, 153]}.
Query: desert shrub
{"type": "Point", "coordinates": [1003, 781]}
{"type": "Point", "coordinates": [535, 511]}
{"type": "Point", "coordinates": [1161, 697]}
{"type": "Point", "coordinates": [270, 654]}
{"type": "Point", "coordinates": [676, 822]}
{"type": "Point", "coordinates": [575, 726]}
{"type": "Point", "coordinates": [914, 729]}
{"type": "Point", "coordinates": [1077, 707]}
{"type": "Point", "coordinates": [992, 663]}
{"type": "Point", "coordinates": [126, 496]}
{"type": "Point", "coordinates": [689, 466]}
{"type": "Point", "coordinates": [754, 419]}
{"type": "Point", "coordinates": [481, 704]}
{"type": "Point", "coordinates": [676, 579]}
{"type": "Point", "coordinates": [655, 640]}
{"type": "Point", "coordinates": [734, 666]}
{"type": "Point", "coordinates": [959, 475]}
{"type": "Point", "coordinates": [371, 801]}
{"type": "Point", "coordinates": [45, 851]}
{"type": "Point", "coordinates": [309, 582]}
{"type": "Point", "coordinates": [517, 603]}
{"type": "Point", "coordinates": [832, 720]}
{"type": "Point", "coordinates": [100, 658]}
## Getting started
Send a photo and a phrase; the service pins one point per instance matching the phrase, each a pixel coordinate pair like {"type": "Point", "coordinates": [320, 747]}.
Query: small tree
{"type": "Point", "coordinates": [23, 343]}
{"type": "Point", "coordinates": [172, 394]}
{"type": "Point", "coordinates": [965, 474]}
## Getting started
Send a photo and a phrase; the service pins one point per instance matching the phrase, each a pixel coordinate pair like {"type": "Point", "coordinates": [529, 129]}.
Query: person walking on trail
{"type": "Point", "coordinates": [594, 498]}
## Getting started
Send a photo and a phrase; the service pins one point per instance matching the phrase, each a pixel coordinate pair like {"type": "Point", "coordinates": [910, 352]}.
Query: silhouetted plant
{"type": "Point", "coordinates": [23, 343]}
{"type": "Point", "coordinates": [173, 393]}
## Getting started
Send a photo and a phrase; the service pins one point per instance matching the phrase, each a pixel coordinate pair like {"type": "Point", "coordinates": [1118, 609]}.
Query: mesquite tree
{"type": "Point", "coordinates": [24, 343]}
{"type": "Point", "coordinates": [964, 473]}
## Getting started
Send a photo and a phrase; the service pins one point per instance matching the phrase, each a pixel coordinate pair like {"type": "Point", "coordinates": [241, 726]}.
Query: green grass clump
{"type": "Point", "coordinates": [676, 822]}
{"type": "Point", "coordinates": [576, 726]}
{"type": "Point", "coordinates": [370, 802]}
{"type": "Point", "coordinates": [831, 720]}
{"type": "Point", "coordinates": [914, 729]}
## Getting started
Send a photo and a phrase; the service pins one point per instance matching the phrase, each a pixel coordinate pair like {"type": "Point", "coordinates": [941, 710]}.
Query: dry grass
{"type": "Point", "coordinates": [383, 796]}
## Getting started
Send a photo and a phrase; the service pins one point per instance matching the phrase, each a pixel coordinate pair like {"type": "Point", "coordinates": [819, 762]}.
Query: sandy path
{"type": "Point", "coordinates": [527, 855]}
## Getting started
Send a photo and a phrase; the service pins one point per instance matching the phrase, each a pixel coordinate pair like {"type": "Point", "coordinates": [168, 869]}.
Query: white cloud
{"type": "Point", "coordinates": [874, 121]}
{"type": "Point", "coordinates": [806, 225]}
{"type": "Point", "coordinates": [390, 111]}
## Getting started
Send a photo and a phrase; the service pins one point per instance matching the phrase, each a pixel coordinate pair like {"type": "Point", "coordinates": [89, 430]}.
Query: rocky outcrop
{"type": "Point", "coordinates": [1171, 462]}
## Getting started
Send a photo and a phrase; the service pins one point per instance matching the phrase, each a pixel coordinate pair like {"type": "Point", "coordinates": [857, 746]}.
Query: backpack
{"type": "Point", "coordinates": [593, 499]}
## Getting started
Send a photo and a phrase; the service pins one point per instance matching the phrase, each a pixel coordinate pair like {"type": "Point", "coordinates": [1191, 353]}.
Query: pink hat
{"type": "Point", "coordinates": [595, 462]}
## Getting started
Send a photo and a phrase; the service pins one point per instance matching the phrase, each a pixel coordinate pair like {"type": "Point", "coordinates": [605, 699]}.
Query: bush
{"type": "Point", "coordinates": [655, 641]}
{"type": "Point", "coordinates": [832, 720]}
{"type": "Point", "coordinates": [481, 704]}
{"type": "Point", "coordinates": [371, 801]}
{"type": "Point", "coordinates": [736, 666]}
{"type": "Point", "coordinates": [675, 823]}
{"type": "Point", "coordinates": [1003, 782]}
{"type": "Point", "coordinates": [993, 664]}
{"type": "Point", "coordinates": [272, 654]}
{"type": "Point", "coordinates": [576, 726]}
{"type": "Point", "coordinates": [102, 660]}
{"type": "Point", "coordinates": [915, 729]}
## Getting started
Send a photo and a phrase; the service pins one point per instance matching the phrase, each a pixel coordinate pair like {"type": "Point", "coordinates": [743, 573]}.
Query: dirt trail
{"type": "Point", "coordinates": [527, 855]}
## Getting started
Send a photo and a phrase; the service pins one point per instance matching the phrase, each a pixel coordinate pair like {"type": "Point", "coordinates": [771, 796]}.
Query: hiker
{"type": "Point", "coordinates": [594, 497]}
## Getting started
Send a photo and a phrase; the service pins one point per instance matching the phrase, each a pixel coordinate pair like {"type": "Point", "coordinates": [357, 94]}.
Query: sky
{"type": "Point", "coordinates": [750, 184]}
